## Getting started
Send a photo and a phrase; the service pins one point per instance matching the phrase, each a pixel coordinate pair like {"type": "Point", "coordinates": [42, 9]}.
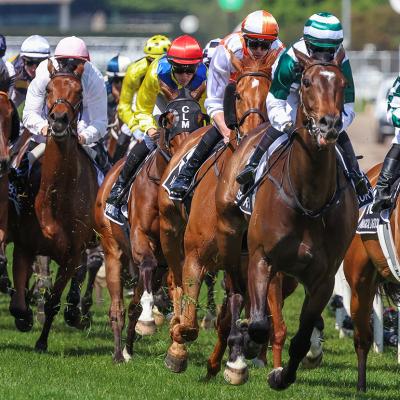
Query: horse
{"type": "Point", "coordinates": [142, 243]}
{"type": "Point", "coordinates": [60, 220]}
{"type": "Point", "coordinates": [189, 243]}
{"type": "Point", "coordinates": [302, 204]}
{"type": "Point", "coordinates": [366, 269]}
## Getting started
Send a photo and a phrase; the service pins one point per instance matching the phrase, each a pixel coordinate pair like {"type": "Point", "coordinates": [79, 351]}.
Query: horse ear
{"type": "Point", "coordinates": [51, 68]}
{"type": "Point", "coordinates": [304, 60]}
{"type": "Point", "coordinates": [339, 57]}
{"type": "Point", "coordinates": [79, 70]}
{"type": "Point", "coordinates": [237, 64]}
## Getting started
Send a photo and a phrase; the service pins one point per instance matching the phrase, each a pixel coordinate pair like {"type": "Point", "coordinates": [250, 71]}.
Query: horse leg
{"type": "Point", "coordinates": [72, 312]}
{"type": "Point", "coordinates": [5, 283]}
{"type": "Point", "coordinates": [19, 308]}
{"type": "Point", "coordinates": [41, 268]}
{"type": "Point", "coordinates": [223, 329]}
{"type": "Point", "coordinates": [95, 261]}
{"type": "Point", "coordinates": [315, 301]}
{"type": "Point", "coordinates": [209, 319]}
{"type": "Point", "coordinates": [52, 305]}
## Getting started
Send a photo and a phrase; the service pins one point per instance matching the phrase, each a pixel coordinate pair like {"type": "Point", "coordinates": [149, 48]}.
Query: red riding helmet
{"type": "Point", "coordinates": [185, 50]}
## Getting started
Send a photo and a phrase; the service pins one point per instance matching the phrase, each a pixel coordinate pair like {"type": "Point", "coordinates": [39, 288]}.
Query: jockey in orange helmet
{"type": "Point", "coordinates": [258, 36]}
{"type": "Point", "coordinates": [182, 67]}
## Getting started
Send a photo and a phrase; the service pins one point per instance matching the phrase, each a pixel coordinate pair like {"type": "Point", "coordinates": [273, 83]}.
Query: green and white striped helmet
{"type": "Point", "coordinates": [323, 30]}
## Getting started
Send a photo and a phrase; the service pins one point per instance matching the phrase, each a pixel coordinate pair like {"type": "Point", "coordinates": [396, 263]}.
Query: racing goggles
{"type": "Point", "coordinates": [184, 69]}
{"type": "Point", "coordinates": [29, 62]}
{"type": "Point", "coordinates": [254, 44]}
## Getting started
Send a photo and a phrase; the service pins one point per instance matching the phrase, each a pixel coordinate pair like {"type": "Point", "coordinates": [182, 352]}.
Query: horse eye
{"type": "Point", "coordinates": [306, 82]}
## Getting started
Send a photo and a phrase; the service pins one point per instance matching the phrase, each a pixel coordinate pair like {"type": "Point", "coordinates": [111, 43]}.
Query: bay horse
{"type": "Point", "coordinates": [305, 212]}
{"type": "Point", "coordinates": [366, 268]}
{"type": "Point", "coordinates": [60, 221]}
{"type": "Point", "coordinates": [189, 243]}
{"type": "Point", "coordinates": [142, 243]}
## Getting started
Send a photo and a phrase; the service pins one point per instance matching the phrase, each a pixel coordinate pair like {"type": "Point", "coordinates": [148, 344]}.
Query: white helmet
{"type": "Point", "coordinates": [35, 46]}
{"type": "Point", "coordinates": [209, 50]}
{"type": "Point", "coordinates": [117, 66]}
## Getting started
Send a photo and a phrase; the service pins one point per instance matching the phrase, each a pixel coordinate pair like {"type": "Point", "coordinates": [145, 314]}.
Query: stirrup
{"type": "Point", "coordinates": [114, 214]}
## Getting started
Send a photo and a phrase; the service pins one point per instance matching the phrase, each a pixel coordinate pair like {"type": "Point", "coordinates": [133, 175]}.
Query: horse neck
{"type": "Point", "coordinates": [312, 171]}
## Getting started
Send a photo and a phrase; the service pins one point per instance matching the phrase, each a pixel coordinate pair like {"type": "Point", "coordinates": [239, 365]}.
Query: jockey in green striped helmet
{"type": "Point", "coordinates": [323, 34]}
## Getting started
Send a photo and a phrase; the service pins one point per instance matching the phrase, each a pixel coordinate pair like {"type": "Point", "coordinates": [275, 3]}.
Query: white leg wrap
{"type": "Point", "coordinates": [316, 344]}
{"type": "Point", "coordinates": [147, 303]}
{"type": "Point", "coordinates": [239, 363]}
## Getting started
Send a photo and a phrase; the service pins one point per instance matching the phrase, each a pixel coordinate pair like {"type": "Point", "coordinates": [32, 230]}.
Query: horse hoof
{"type": "Point", "coordinates": [258, 331]}
{"type": "Point", "coordinates": [23, 319]}
{"type": "Point", "coordinates": [275, 379]}
{"type": "Point", "coordinates": [311, 363]}
{"type": "Point", "coordinates": [208, 322]}
{"type": "Point", "coordinates": [158, 317]}
{"type": "Point", "coordinates": [145, 328]}
{"type": "Point", "coordinates": [40, 347]}
{"type": "Point", "coordinates": [72, 316]}
{"type": "Point", "coordinates": [175, 364]}
{"type": "Point", "coordinates": [126, 355]}
{"type": "Point", "coordinates": [236, 376]}
{"type": "Point", "coordinates": [118, 358]}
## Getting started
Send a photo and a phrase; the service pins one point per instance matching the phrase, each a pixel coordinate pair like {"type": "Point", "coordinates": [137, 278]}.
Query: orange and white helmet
{"type": "Point", "coordinates": [260, 25]}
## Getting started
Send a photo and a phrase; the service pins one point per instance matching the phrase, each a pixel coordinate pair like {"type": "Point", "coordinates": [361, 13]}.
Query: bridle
{"type": "Point", "coordinates": [252, 110]}
{"type": "Point", "coordinates": [76, 109]}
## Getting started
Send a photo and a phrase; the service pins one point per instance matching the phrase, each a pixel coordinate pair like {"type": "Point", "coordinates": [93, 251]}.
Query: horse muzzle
{"type": "Point", "coordinates": [329, 129]}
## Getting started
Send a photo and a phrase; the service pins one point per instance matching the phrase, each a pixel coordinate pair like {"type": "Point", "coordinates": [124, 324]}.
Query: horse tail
{"type": "Point", "coordinates": [392, 291]}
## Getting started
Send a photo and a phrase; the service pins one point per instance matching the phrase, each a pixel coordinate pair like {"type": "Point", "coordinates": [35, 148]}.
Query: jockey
{"type": "Point", "coordinates": [322, 39]}
{"type": "Point", "coordinates": [70, 52]}
{"type": "Point", "coordinates": [34, 50]}
{"type": "Point", "coordinates": [391, 165]}
{"type": "Point", "coordinates": [10, 68]}
{"type": "Point", "coordinates": [209, 50]}
{"type": "Point", "coordinates": [155, 47]}
{"type": "Point", "coordinates": [181, 67]}
{"type": "Point", "coordinates": [258, 36]}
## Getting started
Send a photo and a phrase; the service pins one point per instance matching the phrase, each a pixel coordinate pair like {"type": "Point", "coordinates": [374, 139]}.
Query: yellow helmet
{"type": "Point", "coordinates": [157, 45]}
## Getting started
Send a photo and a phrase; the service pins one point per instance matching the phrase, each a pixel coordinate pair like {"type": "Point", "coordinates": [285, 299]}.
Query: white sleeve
{"type": "Point", "coordinates": [33, 116]}
{"type": "Point", "coordinates": [277, 112]}
{"type": "Point", "coordinates": [348, 115]}
{"type": "Point", "coordinates": [11, 73]}
{"type": "Point", "coordinates": [218, 77]}
{"type": "Point", "coordinates": [96, 103]}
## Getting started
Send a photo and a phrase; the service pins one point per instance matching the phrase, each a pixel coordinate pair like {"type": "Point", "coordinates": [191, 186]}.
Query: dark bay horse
{"type": "Point", "coordinates": [305, 212]}
{"type": "Point", "coordinates": [189, 243]}
{"type": "Point", "coordinates": [61, 224]}
{"type": "Point", "coordinates": [365, 268]}
{"type": "Point", "coordinates": [142, 243]}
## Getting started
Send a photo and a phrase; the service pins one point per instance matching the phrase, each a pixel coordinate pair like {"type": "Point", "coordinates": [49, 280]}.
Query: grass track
{"type": "Point", "coordinates": [78, 365]}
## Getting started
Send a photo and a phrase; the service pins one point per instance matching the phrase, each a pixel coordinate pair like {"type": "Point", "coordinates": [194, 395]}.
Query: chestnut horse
{"type": "Point", "coordinates": [365, 268]}
{"type": "Point", "coordinates": [61, 224]}
{"type": "Point", "coordinates": [7, 129]}
{"type": "Point", "coordinates": [189, 244]}
{"type": "Point", "coordinates": [142, 244]}
{"type": "Point", "coordinates": [305, 212]}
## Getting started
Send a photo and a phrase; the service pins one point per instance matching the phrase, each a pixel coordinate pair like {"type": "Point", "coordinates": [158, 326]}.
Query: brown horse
{"type": "Point", "coordinates": [365, 268]}
{"type": "Point", "coordinates": [189, 243]}
{"type": "Point", "coordinates": [62, 221]}
{"type": "Point", "coordinates": [7, 113]}
{"type": "Point", "coordinates": [305, 212]}
{"type": "Point", "coordinates": [141, 244]}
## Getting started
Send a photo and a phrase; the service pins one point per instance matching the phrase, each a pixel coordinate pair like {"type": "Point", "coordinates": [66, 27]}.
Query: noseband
{"type": "Point", "coordinates": [76, 109]}
{"type": "Point", "coordinates": [252, 110]}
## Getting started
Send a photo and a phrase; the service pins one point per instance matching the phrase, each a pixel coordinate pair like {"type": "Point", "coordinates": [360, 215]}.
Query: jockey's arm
{"type": "Point", "coordinates": [130, 86]}
{"type": "Point", "coordinates": [11, 72]}
{"type": "Point", "coordinates": [393, 101]}
{"type": "Point", "coordinates": [218, 78]}
{"type": "Point", "coordinates": [33, 117]}
{"type": "Point", "coordinates": [146, 99]}
{"type": "Point", "coordinates": [95, 127]}
{"type": "Point", "coordinates": [348, 113]}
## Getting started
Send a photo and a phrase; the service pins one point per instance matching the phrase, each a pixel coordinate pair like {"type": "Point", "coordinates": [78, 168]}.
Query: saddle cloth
{"type": "Point", "coordinates": [248, 204]}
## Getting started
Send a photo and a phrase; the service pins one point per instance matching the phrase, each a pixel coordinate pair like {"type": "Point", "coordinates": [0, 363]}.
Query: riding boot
{"type": "Point", "coordinates": [121, 147]}
{"type": "Point", "coordinates": [101, 158]}
{"type": "Point", "coordinates": [389, 173]}
{"type": "Point", "coordinates": [350, 159]}
{"type": "Point", "coordinates": [248, 172]}
{"type": "Point", "coordinates": [182, 182]}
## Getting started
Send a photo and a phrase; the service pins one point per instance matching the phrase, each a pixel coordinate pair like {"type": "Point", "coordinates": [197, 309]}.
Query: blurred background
{"type": "Point", "coordinates": [371, 28]}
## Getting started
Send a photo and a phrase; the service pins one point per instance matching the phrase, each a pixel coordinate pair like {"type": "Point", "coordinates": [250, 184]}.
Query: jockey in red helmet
{"type": "Point", "coordinates": [182, 67]}
{"type": "Point", "coordinates": [258, 36]}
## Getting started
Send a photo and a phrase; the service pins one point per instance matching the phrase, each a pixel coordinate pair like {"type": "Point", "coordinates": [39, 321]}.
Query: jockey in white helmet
{"type": "Point", "coordinates": [69, 53]}
{"type": "Point", "coordinates": [209, 51]}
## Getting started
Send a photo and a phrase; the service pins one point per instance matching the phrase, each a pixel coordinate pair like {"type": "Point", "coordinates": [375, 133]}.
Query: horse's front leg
{"type": "Point", "coordinates": [209, 319]}
{"type": "Point", "coordinates": [314, 303]}
{"type": "Point", "coordinates": [5, 283]}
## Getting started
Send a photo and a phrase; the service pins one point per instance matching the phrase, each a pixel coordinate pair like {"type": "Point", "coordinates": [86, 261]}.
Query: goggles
{"type": "Point", "coordinates": [184, 69]}
{"type": "Point", "coordinates": [32, 61]}
{"type": "Point", "coordinates": [254, 44]}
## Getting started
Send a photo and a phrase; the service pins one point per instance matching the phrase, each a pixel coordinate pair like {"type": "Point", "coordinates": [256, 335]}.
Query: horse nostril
{"type": "Point", "coordinates": [338, 124]}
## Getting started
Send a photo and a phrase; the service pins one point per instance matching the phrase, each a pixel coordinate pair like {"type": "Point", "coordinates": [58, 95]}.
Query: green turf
{"type": "Point", "coordinates": [79, 365]}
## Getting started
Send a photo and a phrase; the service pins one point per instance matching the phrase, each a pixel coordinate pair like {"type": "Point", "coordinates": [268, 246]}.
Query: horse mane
{"type": "Point", "coordinates": [5, 79]}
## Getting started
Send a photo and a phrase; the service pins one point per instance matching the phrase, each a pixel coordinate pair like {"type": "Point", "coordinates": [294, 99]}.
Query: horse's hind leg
{"type": "Point", "coordinates": [209, 319]}
{"type": "Point", "coordinates": [19, 308]}
{"type": "Point", "coordinates": [5, 283]}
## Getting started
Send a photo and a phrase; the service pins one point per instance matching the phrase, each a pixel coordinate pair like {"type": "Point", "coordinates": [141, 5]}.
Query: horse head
{"type": "Point", "coordinates": [321, 98]}
{"type": "Point", "coordinates": [6, 116]}
{"type": "Point", "coordinates": [64, 100]}
{"type": "Point", "coordinates": [244, 100]}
